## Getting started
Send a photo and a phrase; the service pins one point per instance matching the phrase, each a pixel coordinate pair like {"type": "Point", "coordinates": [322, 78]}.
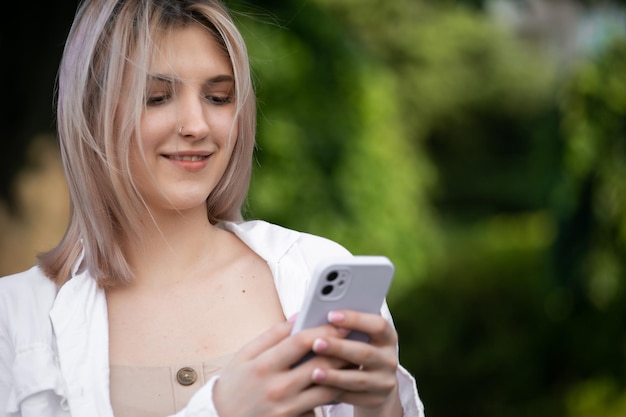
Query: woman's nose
{"type": "Point", "coordinates": [193, 120]}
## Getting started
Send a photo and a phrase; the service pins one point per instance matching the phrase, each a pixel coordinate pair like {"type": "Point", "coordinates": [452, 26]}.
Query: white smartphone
{"type": "Point", "coordinates": [356, 283]}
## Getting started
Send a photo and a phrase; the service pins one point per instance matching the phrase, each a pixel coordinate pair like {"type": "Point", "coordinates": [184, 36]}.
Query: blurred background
{"type": "Point", "coordinates": [481, 145]}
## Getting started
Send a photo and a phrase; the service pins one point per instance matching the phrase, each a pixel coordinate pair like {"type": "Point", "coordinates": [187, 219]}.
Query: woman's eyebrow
{"type": "Point", "coordinates": [224, 78]}
{"type": "Point", "coordinates": [162, 78]}
{"type": "Point", "coordinates": [220, 79]}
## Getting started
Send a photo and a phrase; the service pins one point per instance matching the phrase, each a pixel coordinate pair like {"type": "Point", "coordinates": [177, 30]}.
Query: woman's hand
{"type": "Point", "coordinates": [372, 387]}
{"type": "Point", "coordinates": [259, 381]}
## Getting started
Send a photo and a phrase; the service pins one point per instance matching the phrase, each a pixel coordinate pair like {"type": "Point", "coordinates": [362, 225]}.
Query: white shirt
{"type": "Point", "coordinates": [54, 358]}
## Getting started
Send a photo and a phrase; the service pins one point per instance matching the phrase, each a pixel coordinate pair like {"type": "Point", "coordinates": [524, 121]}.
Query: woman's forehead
{"type": "Point", "coordinates": [193, 50]}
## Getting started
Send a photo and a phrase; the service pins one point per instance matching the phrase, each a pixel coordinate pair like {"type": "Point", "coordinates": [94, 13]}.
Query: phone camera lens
{"type": "Point", "coordinates": [332, 276]}
{"type": "Point", "coordinates": [327, 289]}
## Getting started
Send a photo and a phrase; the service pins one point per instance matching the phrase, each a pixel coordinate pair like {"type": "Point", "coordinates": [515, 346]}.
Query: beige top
{"type": "Point", "coordinates": [143, 391]}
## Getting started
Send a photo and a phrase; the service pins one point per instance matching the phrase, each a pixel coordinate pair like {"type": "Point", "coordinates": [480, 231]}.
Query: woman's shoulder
{"type": "Point", "coordinates": [291, 255]}
{"type": "Point", "coordinates": [27, 290]}
{"type": "Point", "coordinates": [273, 241]}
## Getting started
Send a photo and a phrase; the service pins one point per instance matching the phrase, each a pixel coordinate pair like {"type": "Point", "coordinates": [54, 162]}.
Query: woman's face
{"type": "Point", "coordinates": [188, 127]}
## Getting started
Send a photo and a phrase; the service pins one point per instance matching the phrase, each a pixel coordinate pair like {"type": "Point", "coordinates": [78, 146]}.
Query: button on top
{"type": "Point", "coordinates": [186, 376]}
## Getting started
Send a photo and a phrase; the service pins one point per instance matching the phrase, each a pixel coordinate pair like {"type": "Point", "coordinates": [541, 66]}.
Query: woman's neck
{"type": "Point", "coordinates": [173, 246]}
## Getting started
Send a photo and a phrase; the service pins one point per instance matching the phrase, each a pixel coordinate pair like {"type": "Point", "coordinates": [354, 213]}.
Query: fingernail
{"type": "Point", "coordinates": [318, 374]}
{"type": "Point", "coordinates": [335, 317]}
{"type": "Point", "coordinates": [319, 345]}
{"type": "Point", "coordinates": [292, 319]}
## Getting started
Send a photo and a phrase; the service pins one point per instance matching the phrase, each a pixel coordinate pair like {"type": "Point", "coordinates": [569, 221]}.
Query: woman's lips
{"type": "Point", "coordinates": [190, 163]}
{"type": "Point", "coordinates": [192, 158]}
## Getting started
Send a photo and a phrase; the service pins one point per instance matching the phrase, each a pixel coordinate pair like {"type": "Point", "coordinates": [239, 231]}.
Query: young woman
{"type": "Point", "coordinates": [160, 299]}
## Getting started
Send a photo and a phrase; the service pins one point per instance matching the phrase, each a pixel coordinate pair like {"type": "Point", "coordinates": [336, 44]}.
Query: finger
{"type": "Point", "coordinates": [369, 389]}
{"type": "Point", "coordinates": [299, 401]}
{"type": "Point", "coordinates": [380, 331]}
{"type": "Point", "coordinates": [366, 355]}
{"type": "Point", "coordinates": [354, 380]}
{"type": "Point", "coordinates": [291, 349]}
{"type": "Point", "coordinates": [318, 395]}
{"type": "Point", "coordinates": [298, 379]}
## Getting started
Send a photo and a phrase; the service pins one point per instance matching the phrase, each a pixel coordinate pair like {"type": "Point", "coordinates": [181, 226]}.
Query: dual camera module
{"type": "Point", "coordinates": [334, 284]}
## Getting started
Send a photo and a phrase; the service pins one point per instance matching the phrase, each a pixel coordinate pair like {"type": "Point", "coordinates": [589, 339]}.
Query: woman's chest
{"type": "Point", "coordinates": [193, 322]}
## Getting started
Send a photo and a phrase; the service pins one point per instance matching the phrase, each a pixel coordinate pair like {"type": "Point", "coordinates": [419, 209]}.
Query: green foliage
{"type": "Point", "coordinates": [601, 397]}
{"type": "Point", "coordinates": [591, 196]}
{"type": "Point", "coordinates": [479, 342]}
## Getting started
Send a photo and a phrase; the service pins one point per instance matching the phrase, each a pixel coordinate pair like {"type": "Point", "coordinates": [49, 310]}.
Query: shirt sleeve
{"type": "Point", "coordinates": [409, 397]}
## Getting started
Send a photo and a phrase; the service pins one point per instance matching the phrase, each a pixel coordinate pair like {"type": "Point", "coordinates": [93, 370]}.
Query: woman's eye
{"type": "Point", "coordinates": [219, 100]}
{"type": "Point", "coordinates": [156, 99]}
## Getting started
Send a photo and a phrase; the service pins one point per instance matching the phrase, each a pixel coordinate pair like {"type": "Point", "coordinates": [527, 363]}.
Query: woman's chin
{"type": "Point", "coordinates": [181, 205]}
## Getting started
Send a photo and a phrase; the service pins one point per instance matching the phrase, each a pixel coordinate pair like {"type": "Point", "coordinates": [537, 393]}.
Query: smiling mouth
{"type": "Point", "coordinates": [192, 158]}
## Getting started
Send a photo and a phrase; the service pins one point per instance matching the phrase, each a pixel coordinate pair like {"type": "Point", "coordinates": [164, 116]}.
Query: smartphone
{"type": "Point", "coordinates": [356, 283]}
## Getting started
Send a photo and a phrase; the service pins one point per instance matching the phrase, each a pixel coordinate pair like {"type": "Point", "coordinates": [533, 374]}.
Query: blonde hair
{"type": "Point", "coordinates": [103, 69]}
